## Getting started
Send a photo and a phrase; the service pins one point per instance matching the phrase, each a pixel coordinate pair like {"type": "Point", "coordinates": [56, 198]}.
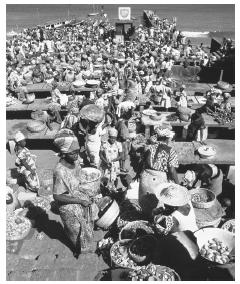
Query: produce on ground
{"type": "Point", "coordinates": [17, 227]}
{"type": "Point", "coordinates": [216, 251]}
{"type": "Point", "coordinates": [152, 272]}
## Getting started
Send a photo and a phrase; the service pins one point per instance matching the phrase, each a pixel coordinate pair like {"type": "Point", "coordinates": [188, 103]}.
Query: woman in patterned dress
{"type": "Point", "coordinates": [26, 163]}
{"type": "Point", "coordinates": [160, 163]}
{"type": "Point", "coordinates": [110, 154]}
{"type": "Point", "coordinates": [76, 206]}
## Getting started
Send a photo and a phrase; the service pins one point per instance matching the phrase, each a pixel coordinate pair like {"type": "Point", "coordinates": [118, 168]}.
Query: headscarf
{"type": "Point", "coordinates": [112, 132]}
{"type": "Point", "coordinates": [164, 132]}
{"type": "Point", "coordinates": [67, 144]}
{"type": "Point", "coordinates": [19, 136]}
{"type": "Point", "coordinates": [174, 195]}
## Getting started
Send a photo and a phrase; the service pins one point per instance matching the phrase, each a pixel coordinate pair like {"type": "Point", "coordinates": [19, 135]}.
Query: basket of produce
{"type": "Point", "coordinates": [108, 212]}
{"type": "Point", "coordinates": [216, 245]}
{"type": "Point", "coordinates": [38, 115]}
{"type": "Point", "coordinates": [157, 116]}
{"type": "Point", "coordinates": [46, 179]}
{"type": "Point", "coordinates": [119, 255]}
{"type": "Point", "coordinates": [36, 126]}
{"type": "Point", "coordinates": [92, 83]}
{"type": "Point", "coordinates": [223, 85]}
{"type": "Point", "coordinates": [229, 226]}
{"type": "Point", "coordinates": [149, 112]}
{"type": "Point", "coordinates": [30, 98]}
{"type": "Point", "coordinates": [135, 229]}
{"type": "Point", "coordinates": [139, 141]}
{"type": "Point", "coordinates": [202, 198]}
{"type": "Point", "coordinates": [92, 112]}
{"type": "Point", "coordinates": [141, 249]}
{"type": "Point", "coordinates": [90, 179]}
{"type": "Point", "coordinates": [18, 227]}
{"type": "Point", "coordinates": [78, 84]}
{"type": "Point", "coordinates": [152, 272]}
{"type": "Point", "coordinates": [207, 152]}
{"type": "Point", "coordinates": [127, 217]}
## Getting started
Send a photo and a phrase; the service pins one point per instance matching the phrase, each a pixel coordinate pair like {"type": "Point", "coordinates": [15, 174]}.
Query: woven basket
{"type": "Point", "coordinates": [36, 126]}
{"type": "Point", "coordinates": [214, 223]}
{"type": "Point", "coordinates": [134, 226]}
{"type": "Point", "coordinates": [24, 235]}
{"type": "Point", "coordinates": [92, 186]}
{"type": "Point", "coordinates": [109, 217]}
{"type": "Point", "coordinates": [209, 194]}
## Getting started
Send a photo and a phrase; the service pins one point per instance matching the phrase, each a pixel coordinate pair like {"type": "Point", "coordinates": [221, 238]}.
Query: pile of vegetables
{"type": "Point", "coordinates": [17, 227]}
{"type": "Point", "coordinates": [152, 272]}
{"type": "Point", "coordinates": [119, 255]}
{"type": "Point", "coordinates": [215, 251]}
{"type": "Point", "coordinates": [88, 177]}
{"type": "Point", "coordinates": [200, 198]}
{"type": "Point", "coordinates": [224, 117]}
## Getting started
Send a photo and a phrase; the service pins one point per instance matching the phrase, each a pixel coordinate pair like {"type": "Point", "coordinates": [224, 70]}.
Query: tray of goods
{"type": "Point", "coordinates": [202, 198]}
{"type": "Point", "coordinates": [215, 251]}
{"type": "Point", "coordinates": [41, 202]}
{"type": "Point", "coordinates": [141, 249]}
{"type": "Point", "coordinates": [149, 112]}
{"type": "Point", "coordinates": [92, 83]}
{"type": "Point", "coordinates": [18, 227]}
{"type": "Point", "coordinates": [119, 254]}
{"type": "Point", "coordinates": [92, 112]}
{"type": "Point", "coordinates": [229, 226]}
{"type": "Point", "coordinates": [135, 229]}
{"type": "Point", "coordinates": [36, 126]}
{"type": "Point", "coordinates": [207, 152]}
{"type": "Point", "coordinates": [89, 175]}
{"type": "Point", "coordinates": [216, 245]}
{"type": "Point", "coordinates": [153, 272]}
{"type": "Point", "coordinates": [157, 116]}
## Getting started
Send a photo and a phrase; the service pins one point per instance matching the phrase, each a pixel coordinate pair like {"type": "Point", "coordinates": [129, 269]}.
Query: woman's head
{"type": "Point", "coordinates": [69, 148]}
{"type": "Point", "coordinates": [20, 139]}
{"type": "Point", "coordinates": [112, 133]}
{"type": "Point", "coordinates": [164, 134]}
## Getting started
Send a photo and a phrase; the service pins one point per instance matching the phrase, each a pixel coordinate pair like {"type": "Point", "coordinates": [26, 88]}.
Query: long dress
{"type": "Point", "coordinates": [77, 220]}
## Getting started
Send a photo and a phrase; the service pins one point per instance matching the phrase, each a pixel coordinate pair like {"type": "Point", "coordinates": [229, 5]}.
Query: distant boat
{"type": "Point", "coordinates": [92, 14]}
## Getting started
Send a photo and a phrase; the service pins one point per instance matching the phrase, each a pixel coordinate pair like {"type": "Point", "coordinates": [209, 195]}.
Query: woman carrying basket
{"type": "Point", "coordinates": [76, 207]}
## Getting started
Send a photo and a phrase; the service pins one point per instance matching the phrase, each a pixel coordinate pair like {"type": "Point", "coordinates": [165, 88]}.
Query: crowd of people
{"type": "Point", "coordinates": [124, 73]}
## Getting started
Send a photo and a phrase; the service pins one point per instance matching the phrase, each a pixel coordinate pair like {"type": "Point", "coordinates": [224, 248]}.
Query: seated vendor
{"type": "Point", "coordinates": [226, 104]}
{"type": "Point", "coordinates": [174, 201]}
{"type": "Point", "coordinates": [210, 177]}
{"type": "Point", "coordinates": [53, 115]}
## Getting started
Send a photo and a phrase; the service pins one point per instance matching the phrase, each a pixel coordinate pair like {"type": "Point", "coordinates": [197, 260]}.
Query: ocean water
{"type": "Point", "coordinates": [197, 21]}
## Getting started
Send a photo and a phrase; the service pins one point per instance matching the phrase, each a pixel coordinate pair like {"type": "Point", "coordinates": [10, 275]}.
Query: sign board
{"type": "Point", "coordinates": [124, 13]}
{"type": "Point", "coordinates": [119, 38]}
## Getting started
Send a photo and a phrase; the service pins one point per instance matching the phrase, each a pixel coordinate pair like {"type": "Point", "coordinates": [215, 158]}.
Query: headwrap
{"type": "Point", "coordinates": [189, 177]}
{"type": "Point", "coordinates": [19, 136]}
{"type": "Point", "coordinates": [67, 144]}
{"type": "Point", "coordinates": [164, 132]}
{"type": "Point", "coordinates": [112, 132]}
{"type": "Point", "coordinates": [226, 95]}
{"type": "Point", "coordinates": [174, 195]}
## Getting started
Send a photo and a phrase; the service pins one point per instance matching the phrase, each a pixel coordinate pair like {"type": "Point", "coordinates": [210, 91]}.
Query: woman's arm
{"type": "Point", "coordinates": [65, 199]}
{"type": "Point", "coordinates": [25, 164]}
{"type": "Point", "coordinates": [173, 174]}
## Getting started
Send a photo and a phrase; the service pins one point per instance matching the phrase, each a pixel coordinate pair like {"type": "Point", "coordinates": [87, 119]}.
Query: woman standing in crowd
{"type": "Point", "coordinates": [75, 205]}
